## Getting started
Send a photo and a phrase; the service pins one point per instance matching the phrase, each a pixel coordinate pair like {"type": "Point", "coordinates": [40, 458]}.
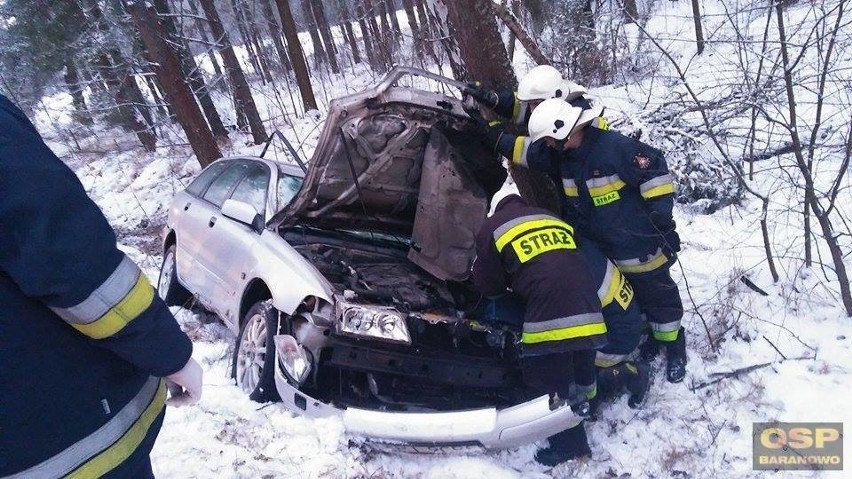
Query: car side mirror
{"type": "Point", "coordinates": [244, 213]}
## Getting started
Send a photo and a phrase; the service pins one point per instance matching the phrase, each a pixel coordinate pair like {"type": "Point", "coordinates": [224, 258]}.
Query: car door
{"type": "Point", "coordinates": [228, 252]}
{"type": "Point", "coordinates": [200, 232]}
{"type": "Point", "coordinates": [188, 217]}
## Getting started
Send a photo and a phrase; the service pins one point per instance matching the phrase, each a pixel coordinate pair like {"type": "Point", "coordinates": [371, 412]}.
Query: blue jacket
{"type": "Point", "coordinates": [84, 339]}
{"type": "Point", "coordinates": [617, 191]}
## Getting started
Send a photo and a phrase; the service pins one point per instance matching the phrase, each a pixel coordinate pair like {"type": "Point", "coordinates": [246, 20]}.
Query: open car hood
{"type": "Point", "coordinates": [401, 161]}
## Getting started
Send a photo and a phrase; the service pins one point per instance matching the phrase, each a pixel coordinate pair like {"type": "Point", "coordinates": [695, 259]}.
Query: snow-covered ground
{"type": "Point", "coordinates": [798, 337]}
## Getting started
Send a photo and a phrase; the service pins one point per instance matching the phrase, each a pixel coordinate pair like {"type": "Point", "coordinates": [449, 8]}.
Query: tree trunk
{"type": "Point", "coordinates": [202, 32]}
{"type": "Point", "coordinates": [699, 33]}
{"type": "Point", "coordinates": [122, 89]}
{"type": "Point", "coordinates": [276, 34]}
{"type": "Point", "coordinates": [311, 26]}
{"type": "Point", "coordinates": [379, 37]}
{"type": "Point", "coordinates": [346, 21]}
{"type": "Point", "coordinates": [425, 28]}
{"type": "Point", "coordinates": [365, 36]}
{"type": "Point", "coordinates": [518, 31]}
{"type": "Point", "coordinates": [243, 101]}
{"type": "Point", "coordinates": [190, 69]}
{"type": "Point", "coordinates": [157, 93]}
{"type": "Point", "coordinates": [325, 32]}
{"type": "Point", "coordinates": [631, 13]}
{"type": "Point", "coordinates": [391, 10]}
{"type": "Point", "coordinates": [485, 59]}
{"type": "Point", "coordinates": [255, 37]}
{"type": "Point", "coordinates": [296, 56]}
{"type": "Point", "coordinates": [167, 67]}
{"type": "Point", "coordinates": [72, 82]}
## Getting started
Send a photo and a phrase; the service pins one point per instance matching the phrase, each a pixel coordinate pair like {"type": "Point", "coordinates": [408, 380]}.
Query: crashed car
{"type": "Point", "coordinates": [347, 283]}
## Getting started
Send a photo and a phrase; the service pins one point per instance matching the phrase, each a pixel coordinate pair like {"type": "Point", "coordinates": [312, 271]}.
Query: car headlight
{"type": "Point", "coordinates": [374, 322]}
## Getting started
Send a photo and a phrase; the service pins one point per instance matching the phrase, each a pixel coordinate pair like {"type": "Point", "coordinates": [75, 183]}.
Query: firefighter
{"type": "Point", "coordinates": [534, 253]}
{"type": "Point", "coordinates": [86, 341]}
{"type": "Point", "coordinates": [539, 84]}
{"type": "Point", "coordinates": [619, 193]}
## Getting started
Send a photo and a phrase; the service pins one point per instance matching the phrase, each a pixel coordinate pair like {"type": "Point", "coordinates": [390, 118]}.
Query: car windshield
{"type": "Point", "coordinates": [288, 186]}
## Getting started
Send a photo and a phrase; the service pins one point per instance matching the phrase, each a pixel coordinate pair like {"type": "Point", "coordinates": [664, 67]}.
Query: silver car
{"type": "Point", "coordinates": [347, 284]}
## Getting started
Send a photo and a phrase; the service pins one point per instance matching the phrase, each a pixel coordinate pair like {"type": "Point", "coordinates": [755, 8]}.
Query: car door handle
{"type": "Point", "coordinates": [212, 221]}
{"type": "Point", "coordinates": [186, 207]}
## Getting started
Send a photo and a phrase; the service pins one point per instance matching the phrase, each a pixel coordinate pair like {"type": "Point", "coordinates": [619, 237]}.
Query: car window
{"type": "Point", "coordinates": [218, 190]}
{"type": "Point", "coordinates": [252, 188]}
{"type": "Point", "coordinates": [200, 183]}
{"type": "Point", "coordinates": [288, 186]}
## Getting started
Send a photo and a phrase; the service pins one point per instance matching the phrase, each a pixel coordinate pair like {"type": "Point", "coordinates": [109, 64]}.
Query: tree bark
{"type": "Point", "coordinates": [167, 67]}
{"type": "Point", "coordinates": [72, 82]}
{"type": "Point", "coordinates": [311, 26]}
{"type": "Point", "coordinates": [365, 36]}
{"type": "Point", "coordinates": [631, 13]}
{"type": "Point", "coordinates": [247, 19]}
{"type": "Point", "coordinates": [379, 37]}
{"type": "Point", "coordinates": [202, 32]}
{"type": "Point", "coordinates": [485, 59]}
{"type": "Point", "coordinates": [325, 32]}
{"type": "Point", "coordinates": [699, 33]}
{"type": "Point", "coordinates": [300, 69]}
{"type": "Point", "coordinates": [243, 100]}
{"type": "Point", "coordinates": [346, 21]}
{"type": "Point", "coordinates": [276, 34]}
{"type": "Point", "coordinates": [190, 69]}
{"type": "Point", "coordinates": [125, 91]}
{"type": "Point", "coordinates": [390, 6]}
{"type": "Point", "coordinates": [518, 31]}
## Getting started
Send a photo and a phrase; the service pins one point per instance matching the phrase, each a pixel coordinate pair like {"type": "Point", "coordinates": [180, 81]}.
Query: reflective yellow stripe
{"type": "Point", "coordinates": [666, 336]}
{"type": "Point", "coordinates": [606, 199]}
{"type": "Point", "coordinates": [600, 123]}
{"type": "Point", "coordinates": [518, 156]}
{"type": "Point", "coordinates": [504, 239]}
{"type": "Point", "coordinates": [516, 107]}
{"type": "Point", "coordinates": [124, 447]}
{"type": "Point", "coordinates": [569, 187]}
{"type": "Point", "coordinates": [661, 190]}
{"type": "Point", "coordinates": [133, 304]}
{"type": "Point", "coordinates": [643, 267]}
{"type": "Point", "coordinates": [602, 190]}
{"type": "Point", "coordinates": [564, 333]}
{"type": "Point", "coordinates": [606, 360]}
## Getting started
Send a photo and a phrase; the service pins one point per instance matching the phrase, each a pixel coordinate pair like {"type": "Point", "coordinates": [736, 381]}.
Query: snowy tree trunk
{"type": "Point", "coordinates": [243, 100]}
{"type": "Point", "coordinates": [311, 26]}
{"type": "Point", "coordinates": [346, 21]}
{"type": "Point", "coordinates": [297, 58]}
{"type": "Point", "coordinates": [167, 67]}
{"type": "Point", "coordinates": [325, 32]}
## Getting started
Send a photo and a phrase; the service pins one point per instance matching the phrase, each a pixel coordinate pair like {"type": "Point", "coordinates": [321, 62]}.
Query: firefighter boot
{"type": "Point", "coordinates": [565, 446]}
{"type": "Point", "coordinates": [649, 349]}
{"type": "Point", "coordinates": [676, 358]}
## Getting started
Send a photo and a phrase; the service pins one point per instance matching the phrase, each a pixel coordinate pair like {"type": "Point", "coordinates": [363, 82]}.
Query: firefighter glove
{"type": "Point", "coordinates": [488, 133]}
{"type": "Point", "coordinates": [185, 385]}
{"type": "Point", "coordinates": [483, 96]}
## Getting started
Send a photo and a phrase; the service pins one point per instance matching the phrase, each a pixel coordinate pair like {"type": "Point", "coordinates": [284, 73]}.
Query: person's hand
{"type": "Point", "coordinates": [483, 96]}
{"type": "Point", "coordinates": [671, 243]}
{"type": "Point", "coordinates": [185, 385]}
{"type": "Point", "coordinates": [489, 132]}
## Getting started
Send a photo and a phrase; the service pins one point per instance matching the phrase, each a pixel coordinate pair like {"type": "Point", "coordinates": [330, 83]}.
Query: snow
{"type": "Point", "coordinates": [680, 432]}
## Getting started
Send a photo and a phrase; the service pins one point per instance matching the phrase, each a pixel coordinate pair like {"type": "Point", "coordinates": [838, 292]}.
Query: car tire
{"type": "Point", "coordinates": [253, 365]}
{"type": "Point", "coordinates": [168, 287]}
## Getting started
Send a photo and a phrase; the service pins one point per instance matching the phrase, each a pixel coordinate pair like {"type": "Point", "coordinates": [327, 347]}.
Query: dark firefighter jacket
{"type": "Point", "coordinates": [613, 186]}
{"type": "Point", "coordinates": [84, 340]}
{"type": "Point", "coordinates": [533, 252]}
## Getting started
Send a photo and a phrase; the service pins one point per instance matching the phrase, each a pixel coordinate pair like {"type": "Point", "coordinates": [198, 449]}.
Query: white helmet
{"type": "Point", "coordinates": [554, 118]}
{"type": "Point", "coordinates": [591, 110]}
{"type": "Point", "coordinates": [544, 81]}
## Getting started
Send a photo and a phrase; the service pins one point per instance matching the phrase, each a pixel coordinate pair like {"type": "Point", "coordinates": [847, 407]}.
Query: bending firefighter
{"type": "Point", "coordinates": [534, 253]}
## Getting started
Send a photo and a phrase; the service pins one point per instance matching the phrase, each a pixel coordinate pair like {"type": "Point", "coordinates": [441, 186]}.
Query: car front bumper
{"type": "Point", "coordinates": [490, 428]}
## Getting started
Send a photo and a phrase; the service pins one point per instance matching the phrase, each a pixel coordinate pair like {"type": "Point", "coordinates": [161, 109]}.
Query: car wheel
{"type": "Point", "coordinates": [253, 364]}
{"type": "Point", "coordinates": [168, 287]}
